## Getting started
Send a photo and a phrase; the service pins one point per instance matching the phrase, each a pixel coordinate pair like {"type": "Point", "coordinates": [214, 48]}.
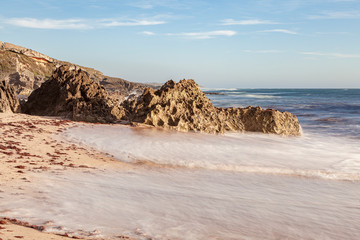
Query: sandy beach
{"type": "Point", "coordinates": [27, 147]}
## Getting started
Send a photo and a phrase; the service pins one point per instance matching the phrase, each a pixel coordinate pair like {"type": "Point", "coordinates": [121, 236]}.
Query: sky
{"type": "Point", "coordinates": [218, 43]}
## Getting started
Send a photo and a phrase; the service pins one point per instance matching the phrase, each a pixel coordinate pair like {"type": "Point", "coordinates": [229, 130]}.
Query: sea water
{"type": "Point", "coordinates": [200, 186]}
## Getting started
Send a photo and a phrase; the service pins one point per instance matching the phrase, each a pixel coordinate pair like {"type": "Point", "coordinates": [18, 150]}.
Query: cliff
{"type": "Point", "coordinates": [26, 70]}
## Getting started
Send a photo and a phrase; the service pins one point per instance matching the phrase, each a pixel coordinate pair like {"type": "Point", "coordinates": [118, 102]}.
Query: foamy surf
{"type": "Point", "coordinates": [311, 156]}
{"type": "Point", "coordinates": [199, 204]}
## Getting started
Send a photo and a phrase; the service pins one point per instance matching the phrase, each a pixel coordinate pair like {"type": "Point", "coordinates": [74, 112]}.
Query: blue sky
{"type": "Point", "coordinates": [228, 43]}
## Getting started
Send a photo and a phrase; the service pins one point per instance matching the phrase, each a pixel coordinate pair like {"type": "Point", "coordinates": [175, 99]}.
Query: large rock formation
{"type": "Point", "coordinates": [8, 99]}
{"type": "Point", "coordinates": [183, 106]}
{"type": "Point", "coordinates": [180, 106]}
{"type": "Point", "coordinates": [71, 93]}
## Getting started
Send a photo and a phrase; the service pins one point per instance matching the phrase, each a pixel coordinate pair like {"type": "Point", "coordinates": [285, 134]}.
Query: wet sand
{"type": "Point", "coordinates": [27, 147]}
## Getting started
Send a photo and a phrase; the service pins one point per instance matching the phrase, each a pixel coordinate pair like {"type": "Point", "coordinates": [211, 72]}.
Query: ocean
{"type": "Point", "coordinates": [200, 186]}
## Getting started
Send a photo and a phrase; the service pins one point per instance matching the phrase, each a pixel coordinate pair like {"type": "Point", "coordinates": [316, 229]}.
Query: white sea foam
{"type": "Point", "coordinates": [218, 89]}
{"type": "Point", "coordinates": [177, 204]}
{"type": "Point", "coordinates": [307, 156]}
{"type": "Point", "coordinates": [259, 96]}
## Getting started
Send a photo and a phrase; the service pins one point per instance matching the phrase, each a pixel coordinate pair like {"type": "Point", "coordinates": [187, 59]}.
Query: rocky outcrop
{"type": "Point", "coordinates": [181, 106]}
{"type": "Point", "coordinates": [71, 93]}
{"type": "Point", "coordinates": [8, 99]}
{"type": "Point", "coordinates": [184, 107]}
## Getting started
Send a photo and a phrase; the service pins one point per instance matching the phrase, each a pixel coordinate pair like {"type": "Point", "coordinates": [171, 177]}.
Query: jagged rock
{"type": "Point", "coordinates": [71, 93]}
{"type": "Point", "coordinates": [181, 106]}
{"type": "Point", "coordinates": [8, 98]}
{"type": "Point", "coordinates": [184, 107]}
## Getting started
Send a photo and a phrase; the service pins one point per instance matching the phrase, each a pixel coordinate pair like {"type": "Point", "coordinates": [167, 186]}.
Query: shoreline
{"type": "Point", "coordinates": [29, 145]}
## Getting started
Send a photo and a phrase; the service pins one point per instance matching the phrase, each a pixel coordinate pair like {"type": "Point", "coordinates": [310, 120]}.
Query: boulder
{"type": "Point", "coordinates": [71, 93]}
{"type": "Point", "coordinates": [184, 107]}
{"type": "Point", "coordinates": [8, 98]}
{"type": "Point", "coordinates": [256, 119]}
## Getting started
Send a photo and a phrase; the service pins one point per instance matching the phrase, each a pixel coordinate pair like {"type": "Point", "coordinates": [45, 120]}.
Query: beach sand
{"type": "Point", "coordinates": [27, 147]}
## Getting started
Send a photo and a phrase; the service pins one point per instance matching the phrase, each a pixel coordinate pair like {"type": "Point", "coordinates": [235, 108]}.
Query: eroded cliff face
{"type": "Point", "coordinates": [184, 107]}
{"type": "Point", "coordinates": [26, 70]}
{"type": "Point", "coordinates": [70, 92]}
{"type": "Point", "coordinates": [8, 99]}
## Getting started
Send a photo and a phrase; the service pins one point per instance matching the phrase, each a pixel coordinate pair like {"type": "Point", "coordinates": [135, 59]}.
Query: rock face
{"type": "Point", "coordinates": [71, 93]}
{"type": "Point", "coordinates": [183, 106]}
{"type": "Point", "coordinates": [8, 99]}
{"type": "Point", "coordinates": [22, 72]}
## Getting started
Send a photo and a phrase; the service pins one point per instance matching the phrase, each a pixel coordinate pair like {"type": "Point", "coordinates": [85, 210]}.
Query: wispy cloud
{"type": "Point", "coordinates": [280, 31]}
{"type": "Point", "coordinates": [49, 23]}
{"type": "Point", "coordinates": [148, 33]}
{"type": "Point", "coordinates": [263, 51]}
{"type": "Point", "coordinates": [114, 23]}
{"type": "Point", "coordinates": [336, 55]}
{"type": "Point", "coordinates": [230, 21]}
{"type": "Point", "coordinates": [336, 15]}
{"type": "Point", "coordinates": [78, 23]}
{"type": "Point", "coordinates": [150, 4]}
{"type": "Point", "coordinates": [205, 35]}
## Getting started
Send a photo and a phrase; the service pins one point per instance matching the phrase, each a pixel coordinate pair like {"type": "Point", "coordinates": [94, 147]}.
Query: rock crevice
{"type": "Point", "coordinates": [8, 98]}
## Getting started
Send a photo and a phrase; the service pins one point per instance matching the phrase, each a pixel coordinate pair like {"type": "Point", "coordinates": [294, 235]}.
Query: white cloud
{"type": "Point", "coordinates": [78, 23]}
{"type": "Point", "coordinates": [263, 51]}
{"type": "Point", "coordinates": [337, 15]}
{"type": "Point", "coordinates": [337, 55]}
{"type": "Point", "coordinates": [114, 23]}
{"type": "Point", "coordinates": [151, 4]}
{"type": "Point", "coordinates": [205, 35]}
{"type": "Point", "coordinates": [246, 22]}
{"type": "Point", "coordinates": [148, 33]}
{"type": "Point", "coordinates": [280, 31]}
{"type": "Point", "coordinates": [49, 23]}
